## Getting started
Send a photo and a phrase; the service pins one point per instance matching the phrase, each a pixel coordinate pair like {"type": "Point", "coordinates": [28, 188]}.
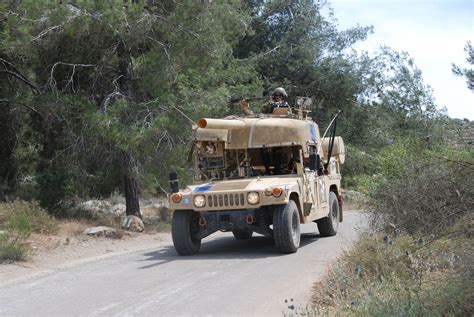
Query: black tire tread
{"type": "Point", "coordinates": [282, 232]}
{"type": "Point", "coordinates": [325, 225]}
{"type": "Point", "coordinates": [181, 233]}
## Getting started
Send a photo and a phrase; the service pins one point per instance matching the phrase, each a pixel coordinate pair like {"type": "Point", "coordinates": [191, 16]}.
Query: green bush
{"type": "Point", "coordinates": [423, 189]}
{"type": "Point", "coordinates": [418, 258]}
{"type": "Point", "coordinates": [17, 230]}
{"type": "Point", "coordinates": [397, 274]}
{"type": "Point", "coordinates": [40, 220]}
{"type": "Point", "coordinates": [54, 189]}
{"type": "Point", "coordinates": [359, 163]}
{"type": "Point", "coordinates": [11, 252]}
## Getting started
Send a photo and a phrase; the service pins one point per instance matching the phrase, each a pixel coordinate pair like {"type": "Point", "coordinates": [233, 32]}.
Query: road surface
{"type": "Point", "coordinates": [228, 277]}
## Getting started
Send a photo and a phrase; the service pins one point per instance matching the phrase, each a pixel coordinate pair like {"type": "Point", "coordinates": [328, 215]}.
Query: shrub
{"type": "Point", "coordinates": [98, 217]}
{"type": "Point", "coordinates": [399, 275]}
{"type": "Point", "coordinates": [358, 165]}
{"type": "Point", "coordinates": [17, 229]}
{"type": "Point", "coordinates": [424, 190]}
{"type": "Point", "coordinates": [418, 258]}
{"type": "Point", "coordinates": [11, 252]}
{"type": "Point", "coordinates": [40, 220]}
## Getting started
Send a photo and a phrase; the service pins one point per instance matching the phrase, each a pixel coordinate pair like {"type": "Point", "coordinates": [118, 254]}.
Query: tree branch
{"type": "Point", "coordinates": [109, 98]}
{"type": "Point", "coordinates": [180, 27]}
{"type": "Point", "coordinates": [52, 81]}
{"type": "Point", "coordinates": [17, 73]}
{"type": "Point", "coordinates": [21, 104]}
{"type": "Point", "coordinates": [21, 78]}
{"type": "Point", "coordinates": [273, 50]}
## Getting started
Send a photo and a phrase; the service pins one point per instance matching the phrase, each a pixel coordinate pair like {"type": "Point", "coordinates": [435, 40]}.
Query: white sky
{"type": "Point", "coordinates": [433, 32]}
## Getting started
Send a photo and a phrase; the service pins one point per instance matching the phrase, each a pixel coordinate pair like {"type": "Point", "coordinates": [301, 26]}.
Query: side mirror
{"type": "Point", "coordinates": [174, 182]}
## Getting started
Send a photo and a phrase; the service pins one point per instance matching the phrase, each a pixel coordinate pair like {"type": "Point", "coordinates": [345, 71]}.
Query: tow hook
{"type": "Point", "coordinates": [202, 221]}
{"type": "Point", "coordinates": [250, 219]}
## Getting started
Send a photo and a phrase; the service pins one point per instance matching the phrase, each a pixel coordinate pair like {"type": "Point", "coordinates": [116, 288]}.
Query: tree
{"type": "Point", "coordinates": [116, 78]}
{"type": "Point", "coordinates": [297, 47]}
{"type": "Point", "coordinates": [467, 73]}
{"type": "Point", "coordinates": [98, 96]}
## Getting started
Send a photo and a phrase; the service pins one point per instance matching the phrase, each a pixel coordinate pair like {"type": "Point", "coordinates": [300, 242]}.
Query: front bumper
{"type": "Point", "coordinates": [211, 222]}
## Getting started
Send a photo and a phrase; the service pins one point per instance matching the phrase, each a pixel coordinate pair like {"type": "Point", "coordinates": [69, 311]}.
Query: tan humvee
{"type": "Point", "coordinates": [266, 174]}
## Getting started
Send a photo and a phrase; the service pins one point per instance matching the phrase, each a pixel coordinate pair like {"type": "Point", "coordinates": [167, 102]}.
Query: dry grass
{"type": "Point", "coordinates": [48, 233]}
{"type": "Point", "coordinates": [398, 274]}
{"type": "Point", "coordinates": [40, 220]}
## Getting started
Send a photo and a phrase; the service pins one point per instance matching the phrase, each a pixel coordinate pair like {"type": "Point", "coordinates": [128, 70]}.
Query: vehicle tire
{"type": "Point", "coordinates": [242, 234]}
{"type": "Point", "coordinates": [286, 227]}
{"type": "Point", "coordinates": [328, 226]}
{"type": "Point", "coordinates": [183, 224]}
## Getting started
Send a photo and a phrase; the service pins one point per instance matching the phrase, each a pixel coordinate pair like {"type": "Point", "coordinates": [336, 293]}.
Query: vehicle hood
{"type": "Point", "coordinates": [254, 184]}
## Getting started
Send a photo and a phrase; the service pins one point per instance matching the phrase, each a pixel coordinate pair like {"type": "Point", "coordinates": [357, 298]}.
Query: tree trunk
{"type": "Point", "coordinates": [130, 186]}
{"type": "Point", "coordinates": [130, 182]}
{"type": "Point", "coordinates": [8, 166]}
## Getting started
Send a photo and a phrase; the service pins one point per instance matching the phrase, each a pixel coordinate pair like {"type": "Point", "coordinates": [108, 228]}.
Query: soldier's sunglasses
{"type": "Point", "coordinates": [277, 95]}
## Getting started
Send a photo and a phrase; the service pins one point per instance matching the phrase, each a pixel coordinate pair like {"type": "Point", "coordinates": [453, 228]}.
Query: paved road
{"type": "Point", "coordinates": [228, 277]}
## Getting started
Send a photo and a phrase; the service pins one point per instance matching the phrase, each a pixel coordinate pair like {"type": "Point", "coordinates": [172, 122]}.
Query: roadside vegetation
{"type": "Point", "coordinates": [417, 256]}
{"type": "Point", "coordinates": [26, 228]}
{"type": "Point", "coordinates": [18, 220]}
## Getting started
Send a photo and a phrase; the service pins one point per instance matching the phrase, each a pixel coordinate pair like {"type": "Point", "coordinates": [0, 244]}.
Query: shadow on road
{"type": "Point", "coordinates": [225, 248]}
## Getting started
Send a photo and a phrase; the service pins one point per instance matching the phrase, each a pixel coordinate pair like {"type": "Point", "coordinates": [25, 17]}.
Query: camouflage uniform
{"type": "Point", "coordinates": [269, 106]}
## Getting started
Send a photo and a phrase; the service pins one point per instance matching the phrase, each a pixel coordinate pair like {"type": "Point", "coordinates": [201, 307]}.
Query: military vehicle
{"type": "Point", "coordinates": [265, 173]}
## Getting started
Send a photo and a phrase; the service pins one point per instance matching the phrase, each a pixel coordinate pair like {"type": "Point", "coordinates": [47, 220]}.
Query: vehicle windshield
{"type": "Point", "coordinates": [213, 161]}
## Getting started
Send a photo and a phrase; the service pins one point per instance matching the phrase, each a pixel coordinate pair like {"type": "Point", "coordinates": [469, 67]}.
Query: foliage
{"type": "Point", "coordinates": [38, 218]}
{"type": "Point", "coordinates": [423, 188]}
{"type": "Point", "coordinates": [107, 85]}
{"type": "Point", "coordinates": [467, 73]}
{"type": "Point", "coordinates": [398, 274]}
{"type": "Point", "coordinates": [98, 97]}
{"type": "Point", "coordinates": [17, 230]}
{"type": "Point", "coordinates": [295, 46]}
{"type": "Point", "coordinates": [9, 251]}
{"type": "Point", "coordinates": [416, 257]}
{"type": "Point", "coordinates": [359, 169]}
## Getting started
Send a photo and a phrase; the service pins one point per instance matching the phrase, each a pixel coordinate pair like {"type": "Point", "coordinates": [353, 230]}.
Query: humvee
{"type": "Point", "coordinates": [265, 173]}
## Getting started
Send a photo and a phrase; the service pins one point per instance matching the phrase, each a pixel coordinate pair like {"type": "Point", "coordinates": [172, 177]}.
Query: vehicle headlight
{"type": "Point", "coordinates": [199, 201]}
{"type": "Point", "coordinates": [268, 191]}
{"type": "Point", "coordinates": [253, 198]}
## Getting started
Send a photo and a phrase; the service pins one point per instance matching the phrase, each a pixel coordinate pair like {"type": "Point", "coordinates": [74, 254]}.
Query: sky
{"type": "Point", "coordinates": [432, 32]}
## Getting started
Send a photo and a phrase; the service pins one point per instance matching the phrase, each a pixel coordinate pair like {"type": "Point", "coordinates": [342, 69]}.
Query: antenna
{"type": "Point", "coordinates": [327, 129]}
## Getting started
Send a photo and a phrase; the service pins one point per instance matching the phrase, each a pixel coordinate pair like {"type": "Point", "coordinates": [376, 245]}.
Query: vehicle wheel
{"type": "Point", "coordinates": [242, 234]}
{"type": "Point", "coordinates": [286, 227]}
{"type": "Point", "coordinates": [328, 226]}
{"type": "Point", "coordinates": [183, 224]}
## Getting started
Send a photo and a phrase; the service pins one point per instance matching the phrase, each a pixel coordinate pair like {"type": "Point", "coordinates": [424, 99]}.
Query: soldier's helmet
{"type": "Point", "coordinates": [281, 91]}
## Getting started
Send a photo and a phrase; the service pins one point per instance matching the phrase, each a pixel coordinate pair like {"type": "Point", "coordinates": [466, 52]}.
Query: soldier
{"type": "Point", "coordinates": [278, 100]}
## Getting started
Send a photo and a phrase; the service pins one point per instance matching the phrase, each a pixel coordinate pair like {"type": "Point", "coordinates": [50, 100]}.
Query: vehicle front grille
{"type": "Point", "coordinates": [226, 200]}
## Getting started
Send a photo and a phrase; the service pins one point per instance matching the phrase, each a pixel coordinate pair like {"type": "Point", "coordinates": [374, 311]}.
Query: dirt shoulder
{"type": "Point", "coordinates": [71, 247]}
